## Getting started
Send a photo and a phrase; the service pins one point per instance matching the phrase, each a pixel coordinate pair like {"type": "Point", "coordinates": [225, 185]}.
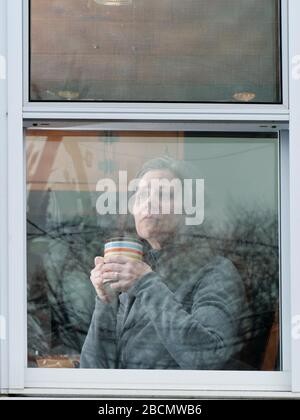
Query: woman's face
{"type": "Point", "coordinates": [153, 197]}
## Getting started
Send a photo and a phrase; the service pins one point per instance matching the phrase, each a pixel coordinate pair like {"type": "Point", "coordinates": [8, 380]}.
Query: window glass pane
{"type": "Point", "coordinates": [205, 294]}
{"type": "Point", "coordinates": [158, 51]}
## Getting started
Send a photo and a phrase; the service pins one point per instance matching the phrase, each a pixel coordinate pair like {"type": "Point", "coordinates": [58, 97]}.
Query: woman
{"type": "Point", "coordinates": [180, 308]}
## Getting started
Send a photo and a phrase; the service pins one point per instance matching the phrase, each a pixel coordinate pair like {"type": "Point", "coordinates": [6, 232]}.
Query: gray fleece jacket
{"type": "Point", "coordinates": [168, 321]}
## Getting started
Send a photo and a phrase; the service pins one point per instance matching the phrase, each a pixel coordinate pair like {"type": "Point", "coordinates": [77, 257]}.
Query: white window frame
{"type": "Point", "coordinates": [3, 206]}
{"type": "Point", "coordinates": [187, 380]}
{"type": "Point", "coordinates": [16, 378]}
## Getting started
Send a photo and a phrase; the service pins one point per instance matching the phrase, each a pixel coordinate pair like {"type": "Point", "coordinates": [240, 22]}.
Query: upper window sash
{"type": "Point", "coordinates": [160, 110]}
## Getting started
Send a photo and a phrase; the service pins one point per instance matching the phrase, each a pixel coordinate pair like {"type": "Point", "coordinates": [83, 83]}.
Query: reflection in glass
{"type": "Point", "coordinates": [156, 51]}
{"type": "Point", "coordinates": [231, 323]}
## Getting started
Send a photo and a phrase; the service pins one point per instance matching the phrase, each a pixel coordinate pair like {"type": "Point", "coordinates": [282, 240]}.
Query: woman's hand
{"type": "Point", "coordinates": [122, 271]}
{"type": "Point", "coordinates": [97, 280]}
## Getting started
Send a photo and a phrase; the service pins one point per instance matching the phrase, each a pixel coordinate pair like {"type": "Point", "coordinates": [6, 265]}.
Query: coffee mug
{"type": "Point", "coordinates": [124, 246]}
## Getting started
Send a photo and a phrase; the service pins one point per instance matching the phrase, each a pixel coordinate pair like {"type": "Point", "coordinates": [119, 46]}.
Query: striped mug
{"type": "Point", "coordinates": [124, 246]}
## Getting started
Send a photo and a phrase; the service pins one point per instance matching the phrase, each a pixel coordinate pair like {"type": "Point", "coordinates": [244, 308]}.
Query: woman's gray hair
{"type": "Point", "coordinates": [180, 168]}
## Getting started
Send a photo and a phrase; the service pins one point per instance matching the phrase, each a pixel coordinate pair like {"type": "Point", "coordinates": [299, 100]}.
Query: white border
{"type": "Point", "coordinates": [16, 200]}
{"type": "Point", "coordinates": [16, 226]}
{"type": "Point", "coordinates": [48, 393]}
{"type": "Point", "coordinates": [158, 111]}
{"type": "Point", "coordinates": [3, 208]}
{"type": "Point", "coordinates": [294, 20]}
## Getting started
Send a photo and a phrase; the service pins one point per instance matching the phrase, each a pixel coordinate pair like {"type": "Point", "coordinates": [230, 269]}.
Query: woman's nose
{"type": "Point", "coordinates": [147, 205]}
{"type": "Point", "coordinates": [154, 204]}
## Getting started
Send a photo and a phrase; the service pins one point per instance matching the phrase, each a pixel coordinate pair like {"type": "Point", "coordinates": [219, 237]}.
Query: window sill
{"type": "Point", "coordinates": [149, 394]}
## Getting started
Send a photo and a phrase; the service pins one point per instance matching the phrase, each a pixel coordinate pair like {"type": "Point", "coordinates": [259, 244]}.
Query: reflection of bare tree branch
{"type": "Point", "coordinates": [56, 233]}
{"type": "Point", "coordinates": [251, 241]}
{"type": "Point", "coordinates": [77, 255]}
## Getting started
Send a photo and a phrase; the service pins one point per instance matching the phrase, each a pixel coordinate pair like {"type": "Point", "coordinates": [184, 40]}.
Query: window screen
{"type": "Point", "coordinates": [224, 51]}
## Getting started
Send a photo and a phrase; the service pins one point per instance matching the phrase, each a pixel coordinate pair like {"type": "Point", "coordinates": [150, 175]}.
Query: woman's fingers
{"type": "Point", "coordinates": [119, 271]}
{"type": "Point", "coordinates": [117, 286]}
{"type": "Point", "coordinates": [112, 267]}
{"type": "Point", "coordinates": [98, 260]}
{"type": "Point", "coordinates": [96, 271]}
{"type": "Point", "coordinates": [119, 259]}
{"type": "Point", "coordinates": [110, 276]}
{"type": "Point", "coordinates": [97, 280]}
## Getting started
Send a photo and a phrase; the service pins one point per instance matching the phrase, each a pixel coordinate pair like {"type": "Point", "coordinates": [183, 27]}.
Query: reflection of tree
{"type": "Point", "coordinates": [250, 241]}
{"type": "Point", "coordinates": [61, 298]}
{"type": "Point", "coordinates": [63, 274]}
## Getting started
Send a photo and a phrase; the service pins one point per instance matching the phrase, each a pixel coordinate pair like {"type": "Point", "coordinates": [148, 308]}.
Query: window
{"type": "Point", "coordinates": [155, 51]}
{"type": "Point", "coordinates": [62, 176]}
{"type": "Point", "coordinates": [239, 236]}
